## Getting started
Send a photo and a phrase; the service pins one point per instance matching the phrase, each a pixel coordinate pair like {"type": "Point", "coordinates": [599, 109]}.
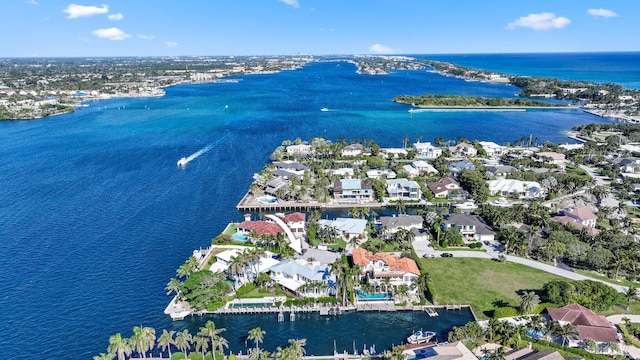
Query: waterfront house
{"type": "Point", "coordinates": [305, 278]}
{"type": "Point", "coordinates": [411, 171]}
{"type": "Point", "coordinates": [588, 324]}
{"type": "Point", "coordinates": [515, 188]}
{"type": "Point", "coordinates": [259, 227]}
{"type": "Point", "coordinates": [352, 150]}
{"type": "Point", "coordinates": [275, 184]}
{"type": "Point", "coordinates": [293, 167]}
{"type": "Point", "coordinates": [353, 191]}
{"type": "Point", "coordinates": [472, 227]}
{"type": "Point", "coordinates": [250, 271]}
{"type": "Point", "coordinates": [628, 165]}
{"type": "Point", "coordinates": [443, 188]}
{"type": "Point", "coordinates": [347, 228]}
{"type": "Point", "coordinates": [426, 150]}
{"type": "Point", "coordinates": [458, 166]}
{"type": "Point", "coordinates": [375, 267]}
{"type": "Point", "coordinates": [379, 174]}
{"type": "Point", "coordinates": [444, 351]}
{"type": "Point", "coordinates": [403, 189]}
{"type": "Point", "coordinates": [463, 150]}
{"type": "Point", "coordinates": [295, 222]}
{"type": "Point", "coordinates": [299, 150]}
{"type": "Point", "coordinates": [492, 149]}
{"type": "Point", "coordinates": [424, 167]}
{"type": "Point", "coordinates": [502, 170]}
{"type": "Point", "coordinates": [579, 217]}
{"type": "Point", "coordinates": [550, 158]}
{"type": "Point", "coordinates": [406, 222]}
{"type": "Point", "coordinates": [394, 153]}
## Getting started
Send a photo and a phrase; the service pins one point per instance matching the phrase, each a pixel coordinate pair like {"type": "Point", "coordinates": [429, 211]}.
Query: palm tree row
{"type": "Point", "coordinates": [144, 341]}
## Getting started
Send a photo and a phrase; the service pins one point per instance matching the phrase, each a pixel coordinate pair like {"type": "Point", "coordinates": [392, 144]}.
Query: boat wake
{"type": "Point", "coordinates": [185, 160]}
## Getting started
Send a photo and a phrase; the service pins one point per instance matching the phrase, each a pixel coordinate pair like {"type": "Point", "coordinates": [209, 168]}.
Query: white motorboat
{"type": "Point", "coordinates": [183, 162]}
{"type": "Point", "coordinates": [420, 337]}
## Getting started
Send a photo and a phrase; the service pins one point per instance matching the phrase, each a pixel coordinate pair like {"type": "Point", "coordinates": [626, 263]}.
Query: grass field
{"type": "Point", "coordinates": [485, 284]}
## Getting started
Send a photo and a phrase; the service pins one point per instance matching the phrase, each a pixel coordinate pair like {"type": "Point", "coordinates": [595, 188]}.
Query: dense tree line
{"type": "Point", "coordinates": [469, 101]}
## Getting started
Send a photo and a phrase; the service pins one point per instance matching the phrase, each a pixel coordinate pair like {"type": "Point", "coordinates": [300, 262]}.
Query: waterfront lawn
{"type": "Point", "coordinates": [482, 283]}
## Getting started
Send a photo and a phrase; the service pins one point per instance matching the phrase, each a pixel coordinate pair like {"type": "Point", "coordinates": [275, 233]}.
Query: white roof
{"type": "Point", "coordinates": [511, 185]}
{"type": "Point", "coordinates": [228, 254]}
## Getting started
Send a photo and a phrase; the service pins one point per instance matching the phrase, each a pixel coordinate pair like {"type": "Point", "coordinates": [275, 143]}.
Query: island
{"type": "Point", "coordinates": [472, 102]}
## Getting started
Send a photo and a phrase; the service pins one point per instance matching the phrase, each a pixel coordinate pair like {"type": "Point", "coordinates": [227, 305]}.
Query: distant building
{"type": "Point", "coordinates": [403, 189]}
{"type": "Point", "coordinates": [492, 149]}
{"type": "Point", "coordinates": [444, 188]}
{"type": "Point", "coordinates": [375, 267]}
{"type": "Point", "coordinates": [395, 223]}
{"type": "Point", "coordinates": [470, 226]}
{"type": "Point", "coordinates": [588, 324]}
{"type": "Point", "coordinates": [347, 227]}
{"type": "Point", "coordinates": [515, 188]}
{"type": "Point", "coordinates": [353, 150]}
{"type": "Point", "coordinates": [426, 150]}
{"type": "Point", "coordinates": [379, 174]}
{"type": "Point", "coordinates": [579, 217]}
{"type": "Point", "coordinates": [551, 158]}
{"type": "Point", "coordinates": [353, 191]}
{"type": "Point", "coordinates": [424, 167]}
{"type": "Point", "coordinates": [458, 166]}
{"type": "Point", "coordinates": [299, 150]}
{"type": "Point", "coordinates": [411, 171]}
{"type": "Point", "coordinates": [464, 150]}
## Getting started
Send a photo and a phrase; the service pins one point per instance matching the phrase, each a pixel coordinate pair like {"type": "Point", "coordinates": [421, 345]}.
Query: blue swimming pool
{"type": "Point", "coordinates": [364, 296]}
{"type": "Point", "coordinates": [239, 237]}
{"type": "Point", "coordinates": [243, 305]}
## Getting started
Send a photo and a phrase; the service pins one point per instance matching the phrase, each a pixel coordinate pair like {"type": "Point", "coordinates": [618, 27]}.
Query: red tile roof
{"type": "Point", "coordinates": [261, 227]}
{"type": "Point", "coordinates": [568, 220]}
{"type": "Point", "coordinates": [582, 212]}
{"type": "Point", "coordinates": [294, 217]}
{"type": "Point", "coordinates": [589, 324]}
{"type": "Point", "coordinates": [363, 257]}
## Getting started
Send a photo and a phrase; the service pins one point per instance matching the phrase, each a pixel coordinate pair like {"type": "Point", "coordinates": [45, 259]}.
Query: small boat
{"type": "Point", "coordinates": [467, 205]}
{"type": "Point", "coordinates": [324, 109]}
{"type": "Point", "coordinates": [182, 162]}
{"type": "Point", "coordinates": [420, 337]}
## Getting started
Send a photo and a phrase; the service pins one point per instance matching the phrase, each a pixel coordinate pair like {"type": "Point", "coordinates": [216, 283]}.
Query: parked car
{"type": "Point", "coordinates": [486, 242]}
{"type": "Point", "coordinates": [428, 256]}
{"type": "Point", "coordinates": [446, 255]}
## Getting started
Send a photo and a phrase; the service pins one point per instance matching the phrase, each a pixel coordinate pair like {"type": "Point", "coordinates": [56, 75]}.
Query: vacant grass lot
{"type": "Point", "coordinates": [485, 284]}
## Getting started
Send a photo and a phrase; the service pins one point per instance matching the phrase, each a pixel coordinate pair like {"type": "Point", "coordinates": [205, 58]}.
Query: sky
{"type": "Point", "coordinates": [45, 28]}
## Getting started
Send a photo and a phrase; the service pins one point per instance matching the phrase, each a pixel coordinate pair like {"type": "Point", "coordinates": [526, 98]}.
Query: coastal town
{"type": "Point", "coordinates": [565, 210]}
{"type": "Point", "coordinates": [38, 88]}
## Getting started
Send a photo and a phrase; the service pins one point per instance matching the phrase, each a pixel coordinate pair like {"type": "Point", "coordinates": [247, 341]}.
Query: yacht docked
{"type": "Point", "coordinates": [420, 337]}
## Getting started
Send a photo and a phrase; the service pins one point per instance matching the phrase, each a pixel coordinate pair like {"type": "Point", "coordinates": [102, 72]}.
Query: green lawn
{"type": "Point", "coordinates": [483, 283]}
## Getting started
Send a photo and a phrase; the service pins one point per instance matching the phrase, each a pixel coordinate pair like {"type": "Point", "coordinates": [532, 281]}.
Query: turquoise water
{"type": "Point", "coordinates": [239, 237]}
{"type": "Point", "coordinates": [373, 296]}
{"type": "Point", "coordinates": [96, 216]}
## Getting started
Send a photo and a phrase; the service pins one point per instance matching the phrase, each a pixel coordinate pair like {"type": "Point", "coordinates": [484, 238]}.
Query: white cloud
{"type": "Point", "coordinates": [75, 11]}
{"type": "Point", "coordinates": [111, 34]}
{"type": "Point", "coordinates": [32, 2]}
{"type": "Point", "coordinates": [293, 3]}
{"type": "Point", "coordinates": [381, 49]}
{"type": "Point", "coordinates": [605, 13]}
{"type": "Point", "coordinates": [115, 17]}
{"type": "Point", "coordinates": [171, 44]}
{"type": "Point", "coordinates": [542, 21]}
{"type": "Point", "coordinates": [145, 37]}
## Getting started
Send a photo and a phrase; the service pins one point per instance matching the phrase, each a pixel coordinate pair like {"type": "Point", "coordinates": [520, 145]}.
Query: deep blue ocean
{"type": "Point", "coordinates": [95, 216]}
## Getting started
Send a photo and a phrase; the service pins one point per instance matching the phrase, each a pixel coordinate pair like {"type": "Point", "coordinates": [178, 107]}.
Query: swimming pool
{"type": "Point", "coordinates": [243, 305]}
{"type": "Point", "coordinates": [363, 296]}
{"type": "Point", "coordinates": [239, 237]}
{"type": "Point", "coordinates": [266, 199]}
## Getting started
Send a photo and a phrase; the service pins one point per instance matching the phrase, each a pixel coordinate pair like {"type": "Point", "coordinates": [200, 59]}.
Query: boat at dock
{"type": "Point", "coordinates": [420, 337]}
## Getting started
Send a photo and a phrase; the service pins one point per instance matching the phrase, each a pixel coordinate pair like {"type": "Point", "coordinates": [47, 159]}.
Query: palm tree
{"type": "Point", "coordinates": [221, 344]}
{"type": "Point", "coordinates": [166, 340]}
{"type": "Point", "coordinates": [257, 335]}
{"type": "Point", "coordinates": [297, 348]}
{"type": "Point", "coordinates": [183, 341]}
{"type": "Point", "coordinates": [405, 141]}
{"type": "Point", "coordinates": [612, 347]}
{"type": "Point", "coordinates": [143, 339]}
{"type": "Point", "coordinates": [590, 345]}
{"type": "Point", "coordinates": [528, 302]}
{"type": "Point", "coordinates": [355, 212]}
{"type": "Point", "coordinates": [209, 330]}
{"type": "Point", "coordinates": [401, 206]}
{"type": "Point", "coordinates": [402, 291]}
{"type": "Point", "coordinates": [565, 331]}
{"type": "Point", "coordinates": [236, 267]}
{"type": "Point", "coordinates": [173, 286]}
{"type": "Point", "coordinates": [386, 282]}
{"type": "Point", "coordinates": [119, 346]}
{"type": "Point", "coordinates": [201, 344]}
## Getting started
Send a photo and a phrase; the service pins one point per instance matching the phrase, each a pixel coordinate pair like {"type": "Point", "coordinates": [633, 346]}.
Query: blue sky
{"type": "Point", "coordinates": [265, 27]}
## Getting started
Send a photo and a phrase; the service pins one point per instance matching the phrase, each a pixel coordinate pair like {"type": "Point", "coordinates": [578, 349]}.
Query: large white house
{"type": "Point", "coordinates": [426, 150]}
{"type": "Point", "coordinates": [309, 279]}
{"type": "Point", "coordinates": [515, 188]}
{"type": "Point", "coordinates": [403, 189]}
{"type": "Point", "coordinates": [492, 149]}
